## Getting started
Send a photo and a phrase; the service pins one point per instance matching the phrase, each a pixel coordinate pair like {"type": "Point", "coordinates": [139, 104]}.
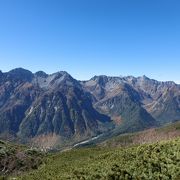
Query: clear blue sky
{"type": "Point", "coordinates": [92, 37]}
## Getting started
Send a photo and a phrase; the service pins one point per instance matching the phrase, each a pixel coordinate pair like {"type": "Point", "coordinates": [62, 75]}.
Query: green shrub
{"type": "Point", "coordinates": [152, 161]}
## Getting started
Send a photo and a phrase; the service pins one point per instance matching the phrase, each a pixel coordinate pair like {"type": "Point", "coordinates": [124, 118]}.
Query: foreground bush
{"type": "Point", "coordinates": [153, 161]}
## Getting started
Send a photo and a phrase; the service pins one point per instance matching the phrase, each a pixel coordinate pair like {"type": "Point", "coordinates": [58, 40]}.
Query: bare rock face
{"type": "Point", "coordinates": [160, 99]}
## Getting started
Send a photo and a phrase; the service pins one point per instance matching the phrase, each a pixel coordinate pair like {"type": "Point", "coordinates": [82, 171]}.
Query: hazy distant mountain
{"type": "Point", "coordinates": [57, 109]}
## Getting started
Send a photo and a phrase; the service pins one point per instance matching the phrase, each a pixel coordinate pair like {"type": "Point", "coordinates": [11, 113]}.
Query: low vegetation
{"type": "Point", "coordinates": [152, 135]}
{"type": "Point", "coordinates": [150, 154]}
{"type": "Point", "coordinates": [159, 160]}
{"type": "Point", "coordinates": [16, 159]}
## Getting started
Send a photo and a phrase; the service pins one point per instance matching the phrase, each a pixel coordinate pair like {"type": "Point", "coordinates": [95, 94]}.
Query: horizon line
{"type": "Point", "coordinates": [118, 76]}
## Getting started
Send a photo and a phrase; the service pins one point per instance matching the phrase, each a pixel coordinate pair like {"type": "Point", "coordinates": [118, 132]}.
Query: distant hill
{"type": "Point", "coordinates": [153, 135]}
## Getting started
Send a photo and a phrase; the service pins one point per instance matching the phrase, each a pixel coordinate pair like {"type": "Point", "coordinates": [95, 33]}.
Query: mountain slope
{"type": "Point", "coordinates": [51, 105]}
{"type": "Point", "coordinates": [151, 135]}
{"type": "Point", "coordinates": [160, 100]}
{"type": "Point", "coordinates": [151, 161]}
{"type": "Point", "coordinates": [57, 110]}
{"type": "Point", "coordinates": [170, 131]}
{"type": "Point", "coordinates": [119, 100]}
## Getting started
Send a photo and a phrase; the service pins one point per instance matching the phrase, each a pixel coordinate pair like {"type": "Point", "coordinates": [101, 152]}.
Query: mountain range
{"type": "Point", "coordinates": [58, 110]}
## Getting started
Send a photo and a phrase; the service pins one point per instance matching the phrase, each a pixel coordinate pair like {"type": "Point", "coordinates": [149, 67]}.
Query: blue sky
{"type": "Point", "coordinates": [92, 37]}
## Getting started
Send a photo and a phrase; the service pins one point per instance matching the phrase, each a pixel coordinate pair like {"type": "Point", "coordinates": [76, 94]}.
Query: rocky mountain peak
{"type": "Point", "coordinates": [55, 80]}
{"type": "Point", "coordinates": [19, 74]}
{"type": "Point", "coordinates": [144, 77]}
{"type": "Point", "coordinates": [102, 79]}
{"type": "Point", "coordinates": [19, 71]}
{"type": "Point", "coordinates": [41, 74]}
{"type": "Point", "coordinates": [63, 78]}
{"type": "Point", "coordinates": [1, 73]}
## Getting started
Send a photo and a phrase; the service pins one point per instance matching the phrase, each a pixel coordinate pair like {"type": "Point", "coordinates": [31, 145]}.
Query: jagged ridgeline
{"type": "Point", "coordinates": [50, 110]}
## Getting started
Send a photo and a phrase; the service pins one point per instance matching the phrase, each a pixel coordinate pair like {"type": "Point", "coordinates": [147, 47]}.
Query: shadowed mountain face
{"type": "Point", "coordinates": [57, 109]}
